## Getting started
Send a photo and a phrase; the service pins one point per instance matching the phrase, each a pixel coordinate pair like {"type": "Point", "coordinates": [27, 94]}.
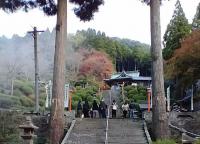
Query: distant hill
{"type": "Point", "coordinates": [19, 50]}
{"type": "Point", "coordinates": [131, 43]}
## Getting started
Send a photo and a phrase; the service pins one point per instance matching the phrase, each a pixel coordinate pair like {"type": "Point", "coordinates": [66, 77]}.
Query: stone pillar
{"type": "Point", "coordinates": [28, 131]}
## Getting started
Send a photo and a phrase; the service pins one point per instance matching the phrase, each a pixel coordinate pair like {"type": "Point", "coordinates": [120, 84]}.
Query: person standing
{"type": "Point", "coordinates": [103, 107]}
{"type": "Point", "coordinates": [132, 109]}
{"type": "Point", "coordinates": [79, 109]}
{"type": "Point", "coordinates": [114, 109]}
{"type": "Point", "coordinates": [125, 108]}
{"type": "Point", "coordinates": [95, 108]}
{"type": "Point", "coordinates": [86, 109]}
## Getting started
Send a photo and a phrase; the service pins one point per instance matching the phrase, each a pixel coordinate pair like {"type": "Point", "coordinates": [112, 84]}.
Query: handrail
{"type": "Point", "coordinates": [107, 118]}
{"type": "Point", "coordinates": [182, 130]}
{"type": "Point", "coordinates": [147, 132]}
{"type": "Point", "coordinates": [64, 141]}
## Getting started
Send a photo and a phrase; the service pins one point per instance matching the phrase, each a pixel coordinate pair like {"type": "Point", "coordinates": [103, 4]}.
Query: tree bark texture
{"type": "Point", "coordinates": [57, 108]}
{"type": "Point", "coordinates": [159, 118]}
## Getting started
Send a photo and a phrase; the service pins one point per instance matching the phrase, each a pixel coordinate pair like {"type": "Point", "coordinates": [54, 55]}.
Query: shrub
{"type": "Point", "coordinates": [43, 96]}
{"type": "Point", "coordinates": [7, 101]}
{"type": "Point", "coordinates": [26, 87]}
{"type": "Point", "coordinates": [42, 102]}
{"type": "Point", "coordinates": [197, 142]}
{"type": "Point", "coordinates": [17, 92]}
{"type": "Point", "coordinates": [82, 94]}
{"type": "Point", "coordinates": [137, 93]}
{"type": "Point", "coordinates": [26, 90]}
{"type": "Point", "coordinates": [76, 98]}
{"type": "Point", "coordinates": [165, 141]}
{"type": "Point", "coordinates": [26, 102]}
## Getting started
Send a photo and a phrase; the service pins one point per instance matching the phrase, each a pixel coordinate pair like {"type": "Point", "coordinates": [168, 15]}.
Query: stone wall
{"type": "Point", "coordinates": [187, 120]}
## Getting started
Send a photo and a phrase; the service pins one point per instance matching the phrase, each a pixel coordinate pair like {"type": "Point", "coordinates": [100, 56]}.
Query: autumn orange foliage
{"type": "Point", "coordinates": [185, 63]}
{"type": "Point", "coordinates": [96, 64]}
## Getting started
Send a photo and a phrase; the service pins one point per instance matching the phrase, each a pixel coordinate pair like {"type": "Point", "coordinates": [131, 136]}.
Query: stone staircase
{"type": "Point", "coordinates": [121, 131]}
{"type": "Point", "coordinates": [88, 131]}
{"type": "Point", "coordinates": [126, 131]}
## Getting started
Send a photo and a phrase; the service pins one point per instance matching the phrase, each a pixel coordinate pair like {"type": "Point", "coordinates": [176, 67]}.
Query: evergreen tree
{"type": "Point", "coordinates": [196, 20]}
{"type": "Point", "coordinates": [159, 115]}
{"type": "Point", "coordinates": [177, 29]}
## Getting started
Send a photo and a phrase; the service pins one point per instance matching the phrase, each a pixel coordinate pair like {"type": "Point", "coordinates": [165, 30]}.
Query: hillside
{"type": "Point", "coordinates": [85, 48]}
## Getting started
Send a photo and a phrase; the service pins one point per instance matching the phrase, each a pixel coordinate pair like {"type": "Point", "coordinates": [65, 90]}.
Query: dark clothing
{"type": "Point", "coordinates": [114, 113]}
{"type": "Point", "coordinates": [124, 113]}
{"type": "Point", "coordinates": [95, 109]}
{"type": "Point", "coordinates": [79, 106]}
{"type": "Point", "coordinates": [131, 106]}
{"type": "Point", "coordinates": [79, 109]}
{"type": "Point", "coordinates": [86, 109]}
{"type": "Point", "coordinates": [103, 105]}
{"type": "Point", "coordinates": [95, 106]}
{"type": "Point", "coordinates": [102, 109]}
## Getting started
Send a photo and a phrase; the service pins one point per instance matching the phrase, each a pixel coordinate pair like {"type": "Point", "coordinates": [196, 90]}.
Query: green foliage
{"type": "Point", "coordinates": [89, 93]}
{"type": "Point", "coordinates": [182, 68]}
{"type": "Point", "coordinates": [7, 101]}
{"type": "Point", "coordinates": [136, 93]}
{"type": "Point", "coordinates": [9, 131]}
{"type": "Point", "coordinates": [165, 141]}
{"type": "Point", "coordinates": [41, 140]}
{"type": "Point", "coordinates": [26, 102]}
{"type": "Point", "coordinates": [24, 86]}
{"type": "Point", "coordinates": [26, 90]}
{"type": "Point", "coordinates": [17, 92]}
{"type": "Point", "coordinates": [120, 50]}
{"type": "Point", "coordinates": [84, 11]}
{"type": "Point", "coordinates": [21, 99]}
{"type": "Point", "coordinates": [177, 29]}
{"type": "Point", "coordinates": [197, 142]}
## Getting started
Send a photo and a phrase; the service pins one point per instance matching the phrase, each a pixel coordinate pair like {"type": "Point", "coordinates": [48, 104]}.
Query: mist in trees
{"type": "Point", "coordinates": [17, 53]}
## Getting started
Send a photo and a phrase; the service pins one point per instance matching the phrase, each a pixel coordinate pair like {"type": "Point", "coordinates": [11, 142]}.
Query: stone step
{"type": "Point", "coordinates": [88, 131]}
{"type": "Point", "coordinates": [120, 131]}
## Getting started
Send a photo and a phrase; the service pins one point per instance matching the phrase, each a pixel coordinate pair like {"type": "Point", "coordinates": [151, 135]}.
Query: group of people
{"type": "Point", "coordinates": [99, 110]}
{"type": "Point", "coordinates": [128, 109]}
{"type": "Point", "coordinates": [96, 110]}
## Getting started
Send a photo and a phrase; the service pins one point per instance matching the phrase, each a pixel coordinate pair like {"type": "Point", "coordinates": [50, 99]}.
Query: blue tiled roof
{"type": "Point", "coordinates": [134, 75]}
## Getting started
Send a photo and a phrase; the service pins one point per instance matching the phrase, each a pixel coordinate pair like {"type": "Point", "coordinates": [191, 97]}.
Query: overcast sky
{"type": "Point", "coordinates": [117, 18]}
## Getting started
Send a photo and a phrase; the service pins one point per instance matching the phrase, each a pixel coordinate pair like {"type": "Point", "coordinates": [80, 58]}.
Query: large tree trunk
{"type": "Point", "coordinates": [57, 108]}
{"type": "Point", "coordinates": [160, 119]}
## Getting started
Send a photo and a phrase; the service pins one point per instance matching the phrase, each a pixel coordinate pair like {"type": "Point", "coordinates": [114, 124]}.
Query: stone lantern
{"type": "Point", "coordinates": [28, 133]}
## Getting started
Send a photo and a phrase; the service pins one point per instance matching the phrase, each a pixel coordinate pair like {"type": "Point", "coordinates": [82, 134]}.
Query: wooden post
{"type": "Point", "coordinates": [34, 34]}
{"type": "Point", "coordinates": [70, 103]}
{"type": "Point", "coordinates": [149, 98]}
